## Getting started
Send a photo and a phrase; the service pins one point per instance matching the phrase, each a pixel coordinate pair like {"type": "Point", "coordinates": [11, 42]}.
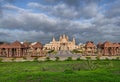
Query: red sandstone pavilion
{"type": "Point", "coordinates": [18, 49]}
{"type": "Point", "coordinates": [103, 49]}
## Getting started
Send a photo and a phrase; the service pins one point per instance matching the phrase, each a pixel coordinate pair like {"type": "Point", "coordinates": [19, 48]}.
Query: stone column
{"type": "Point", "coordinates": [0, 51]}
{"type": "Point", "coordinates": [114, 51]}
{"type": "Point", "coordinates": [104, 51]}
{"type": "Point", "coordinates": [40, 53]}
{"type": "Point", "coordinates": [7, 52]}
{"type": "Point", "coordinates": [111, 51]}
{"type": "Point", "coordinates": [10, 52]}
{"type": "Point", "coordinates": [19, 52]}
{"type": "Point", "coordinates": [16, 51]}
{"type": "Point", "coordinates": [93, 50]}
{"type": "Point", "coordinates": [22, 52]}
{"type": "Point", "coordinates": [13, 52]}
{"type": "Point", "coordinates": [117, 51]}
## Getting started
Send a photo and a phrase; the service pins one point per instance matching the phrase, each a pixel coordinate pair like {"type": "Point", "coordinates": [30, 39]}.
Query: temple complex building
{"type": "Point", "coordinates": [108, 49]}
{"type": "Point", "coordinates": [90, 48]}
{"type": "Point", "coordinates": [18, 49]}
{"type": "Point", "coordinates": [62, 44]}
{"type": "Point", "coordinates": [36, 49]}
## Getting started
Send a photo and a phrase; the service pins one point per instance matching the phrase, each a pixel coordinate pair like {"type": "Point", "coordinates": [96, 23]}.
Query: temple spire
{"type": "Point", "coordinates": [53, 39]}
{"type": "Point", "coordinates": [64, 36]}
{"type": "Point", "coordinates": [73, 40]}
{"type": "Point", "coordinates": [60, 38]}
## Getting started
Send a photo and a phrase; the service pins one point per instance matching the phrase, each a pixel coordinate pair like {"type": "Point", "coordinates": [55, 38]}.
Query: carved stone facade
{"type": "Point", "coordinates": [108, 48]}
{"type": "Point", "coordinates": [36, 49]}
{"type": "Point", "coordinates": [62, 44]}
{"type": "Point", "coordinates": [17, 49]}
{"type": "Point", "coordinates": [102, 49]}
{"type": "Point", "coordinates": [90, 48]}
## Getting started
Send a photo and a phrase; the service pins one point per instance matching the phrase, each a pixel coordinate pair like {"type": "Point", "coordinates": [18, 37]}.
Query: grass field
{"type": "Point", "coordinates": [61, 71]}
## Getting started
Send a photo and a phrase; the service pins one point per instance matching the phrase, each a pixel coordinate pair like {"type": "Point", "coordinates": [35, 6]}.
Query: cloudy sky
{"type": "Point", "coordinates": [40, 20]}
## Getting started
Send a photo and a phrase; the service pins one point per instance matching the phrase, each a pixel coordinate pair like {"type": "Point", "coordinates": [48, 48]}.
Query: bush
{"type": "Point", "coordinates": [13, 59]}
{"type": "Point", "coordinates": [50, 51]}
{"type": "Point", "coordinates": [106, 59]}
{"type": "Point", "coordinates": [36, 59]}
{"type": "Point", "coordinates": [97, 58]}
{"type": "Point", "coordinates": [88, 58]}
{"type": "Point", "coordinates": [76, 51]}
{"type": "Point", "coordinates": [1, 59]}
{"type": "Point", "coordinates": [68, 71]}
{"type": "Point", "coordinates": [89, 64]}
{"type": "Point", "coordinates": [69, 59]}
{"type": "Point", "coordinates": [76, 67]}
{"type": "Point", "coordinates": [57, 58]}
{"type": "Point", "coordinates": [44, 69]}
{"type": "Point", "coordinates": [78, 59]}
{"type": "Point", "coordinates": [117, 58]}
{"type": "Point", "coordinates": [24, 58]}
{"type": "Point", "coordinates": [47, 59]}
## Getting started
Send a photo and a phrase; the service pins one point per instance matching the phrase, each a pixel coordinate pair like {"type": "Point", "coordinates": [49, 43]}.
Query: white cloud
{"type": "Point", "coordinates": [41, 22]}
{"type": "Point", "coordinates": [12, 7]}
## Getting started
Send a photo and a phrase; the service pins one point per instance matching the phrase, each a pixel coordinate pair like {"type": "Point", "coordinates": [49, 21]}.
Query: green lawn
{"type": "Point", "coordinates": [61, 71]}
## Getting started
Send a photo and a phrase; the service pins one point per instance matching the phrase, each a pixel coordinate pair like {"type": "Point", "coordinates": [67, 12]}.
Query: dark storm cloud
{"type": "Point", "coordinates": [83, 19]}
{"type": "Point", "coordinates": [31, 21]}
{"type": "Point", "coordinates": [76, 3]}
{"type": "Point", "coordinates": [68, 12]}
{"type": "Point", "coordinates": [85, 7]}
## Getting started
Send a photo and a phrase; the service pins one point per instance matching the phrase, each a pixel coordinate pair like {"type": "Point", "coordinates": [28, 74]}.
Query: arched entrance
{"type": "Point", "coordinates": [63, 46]}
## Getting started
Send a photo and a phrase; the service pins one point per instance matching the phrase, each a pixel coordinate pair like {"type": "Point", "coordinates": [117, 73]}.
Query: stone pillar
{"type": "Point", "coordinates": [0, 51]}
{"type": "Point", "coordinates": [107, 51]}
{"type": "Point", "coordinates": [33, 52]}
{"type": "Point", "coordinates": [104, 51]}
{"type": "Point", "coordinates": [16, 52]}
{"type": "Point", "coordinates": [93, 50]}
{"type": "Point", "coordinates": [21, 51]}
{"type": "Point", "coordinates": [25, 51]}
{"type": "Point", "coordinates": [117, 51]}
{"type": "Point", "coordinates": [114, 51]}
{"type": "Point", "coordinates": [7, 51]}
{"type": "Point", "coordinates": [86, 52]}
{"type": "Point", "coordinates": [10, 52]}
{"type": "Point", "coordinates": [111, 51]}
{"type": "Point", "coordinates": [13, 53]}
{"type": "Point", "coordinates": [40, 52]}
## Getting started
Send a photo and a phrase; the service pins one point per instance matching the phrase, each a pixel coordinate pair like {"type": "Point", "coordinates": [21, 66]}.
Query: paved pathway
{"type": "Point", "coordinates": [64, 55]}
{"type": "Point", "coordinates": [61, 54]}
